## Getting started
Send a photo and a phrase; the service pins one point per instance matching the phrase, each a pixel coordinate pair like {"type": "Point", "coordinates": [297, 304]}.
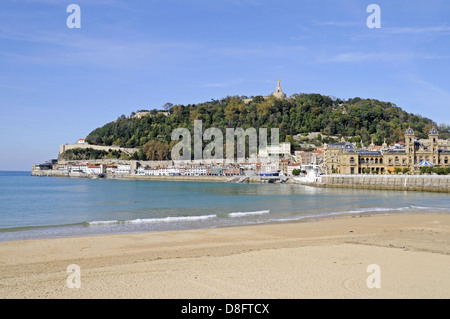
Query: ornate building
{"type": "Point", "coordinates": [342, 158]}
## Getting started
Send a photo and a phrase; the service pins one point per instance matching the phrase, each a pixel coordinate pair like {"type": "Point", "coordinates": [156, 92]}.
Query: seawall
{"type": "Point", "coordinates": [431, 183]}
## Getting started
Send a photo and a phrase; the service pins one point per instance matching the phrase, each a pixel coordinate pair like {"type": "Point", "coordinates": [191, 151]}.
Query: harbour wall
{"type": "Point", "coordinates": [433, 183]}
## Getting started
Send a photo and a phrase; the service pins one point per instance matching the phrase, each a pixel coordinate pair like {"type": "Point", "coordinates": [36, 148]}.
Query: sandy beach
{"type": "Point", "coordinates": [316, 259]}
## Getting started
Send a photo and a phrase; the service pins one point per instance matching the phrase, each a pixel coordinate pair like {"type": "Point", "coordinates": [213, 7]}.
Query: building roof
{"type": "Point", "coordinates": [425, 163]}
{"type": "Point", "coordinates": [409, 131]}
{"type": "Point", "coordinates": [369, 153]}
{"type": "Point", "coordinates": [433, 131]}
{"type": "Point", "coordinates": [399, 143]}
{"type": "Point", "coordinates": [342, 145]}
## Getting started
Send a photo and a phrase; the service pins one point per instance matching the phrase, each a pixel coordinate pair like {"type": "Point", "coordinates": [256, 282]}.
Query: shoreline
{"type": "Point", "coordinates": [419, 183]}
{"type": "Point", "coordinates": [324, 258]}
{"type": "Point", "coordinates": [300, 219]}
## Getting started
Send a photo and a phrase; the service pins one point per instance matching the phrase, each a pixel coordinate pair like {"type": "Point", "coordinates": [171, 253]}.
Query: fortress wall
{"type": "Point", "coordinates": [64, 148]}
{"type": "Point", "coordinates": [396, 182]}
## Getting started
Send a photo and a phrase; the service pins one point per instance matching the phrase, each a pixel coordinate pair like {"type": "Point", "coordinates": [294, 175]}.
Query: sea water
{"type": "Point", "coordinates": [47, 207]}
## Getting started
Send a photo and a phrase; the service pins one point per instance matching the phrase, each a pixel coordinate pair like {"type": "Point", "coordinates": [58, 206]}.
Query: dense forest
{"type": "Point", "coordinates": [359, 120]}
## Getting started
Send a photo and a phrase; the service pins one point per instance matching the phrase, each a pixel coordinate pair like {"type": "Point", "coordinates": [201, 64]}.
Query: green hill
{"type": "Point", "coordinates": [361, 119]}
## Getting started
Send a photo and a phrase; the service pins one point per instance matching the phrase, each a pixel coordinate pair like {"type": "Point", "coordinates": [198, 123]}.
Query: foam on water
{"type": "Point", "coordinates": [243, 214]}
{"type": "Point", "coordinates": [152, 220]}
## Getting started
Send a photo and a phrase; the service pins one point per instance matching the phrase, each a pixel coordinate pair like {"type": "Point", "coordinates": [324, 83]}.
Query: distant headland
{"type": "Point", "coordinates": [316, 135]}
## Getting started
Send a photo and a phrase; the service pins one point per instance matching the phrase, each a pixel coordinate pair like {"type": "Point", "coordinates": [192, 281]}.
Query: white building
{"type": "Point", "coordinates": [95, 169]}
{"type": "Point", "coordinates": [196, 171]}
{"type": "Point", "coordinates": [269, 167]}
{"type": "Point", "coordinates": [291, 167]}
{"type": "Point", "coordinates": [283, 149]}
{"type": "Point", "coordinates": [63, 167]}
{"type": "Point", "coordinates": [123, 169]}
{"type": "Point", "coordinates": [111, 169]}
{"type": "Point", "coordinates": [148, 171]}
{"type": "Point", "coordinates": [163, 171]}
{"type": "Point", "coordinates": [79, 168]}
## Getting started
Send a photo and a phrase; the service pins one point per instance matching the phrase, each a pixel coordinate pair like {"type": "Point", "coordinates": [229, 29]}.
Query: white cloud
{"type": "Point", "coordinates": [338, 23]}
{"type": "Point", "coordinates": [418, 30]}
{"type": "Point", "coordinates": [379, 56]}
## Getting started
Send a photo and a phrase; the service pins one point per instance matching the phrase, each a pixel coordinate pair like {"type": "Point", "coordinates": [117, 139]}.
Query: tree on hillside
{"type": "Point", "coordinates": [301, 113]}
{"type": "Point", "coordinates": [156, 150]}
{"type": "Point", "coordinates": [167, 106]}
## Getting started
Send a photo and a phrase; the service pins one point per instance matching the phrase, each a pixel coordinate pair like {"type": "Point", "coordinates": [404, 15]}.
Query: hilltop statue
{"type": "Point", "coordinates": [279, 92]}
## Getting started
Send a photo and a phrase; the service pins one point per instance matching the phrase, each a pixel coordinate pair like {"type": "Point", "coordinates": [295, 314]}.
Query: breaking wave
{"type": "Point", "coordinates": [151, 220]}
{"type": "Point", "coordinates": [243, 214]}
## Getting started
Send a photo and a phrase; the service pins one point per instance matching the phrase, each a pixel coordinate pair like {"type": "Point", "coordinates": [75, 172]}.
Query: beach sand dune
{"type": "Point", "coordinates": [329, 258]}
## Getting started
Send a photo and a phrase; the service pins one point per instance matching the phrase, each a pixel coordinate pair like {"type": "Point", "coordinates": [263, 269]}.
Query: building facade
{"type": "Point", "coordinates": [341, 158]}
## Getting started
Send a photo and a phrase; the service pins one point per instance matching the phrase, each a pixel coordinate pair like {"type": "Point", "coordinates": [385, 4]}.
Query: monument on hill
{"type": "Point", "coordinates": [279, 92]}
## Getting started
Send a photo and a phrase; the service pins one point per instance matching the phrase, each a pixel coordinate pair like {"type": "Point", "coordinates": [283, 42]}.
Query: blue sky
{"type": "Point", "coordinates": [58, 84]}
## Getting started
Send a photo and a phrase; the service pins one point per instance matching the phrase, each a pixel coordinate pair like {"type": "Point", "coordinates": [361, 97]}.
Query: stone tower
{"type": "Point", "coordinates": [384, 146]}
{"type": "Point", "coordinates": [409, 141]}
{"type": "Point", "coordinates": [433, 136]}
{"type": "Point", "coordinates": [279, 92]}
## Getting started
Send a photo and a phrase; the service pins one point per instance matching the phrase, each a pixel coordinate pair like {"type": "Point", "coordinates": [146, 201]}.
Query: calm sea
{"type": "Point", "coordinates": [46, 207]}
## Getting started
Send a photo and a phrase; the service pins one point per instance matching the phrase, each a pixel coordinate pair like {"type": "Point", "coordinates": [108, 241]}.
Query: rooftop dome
{"type": "Point", "coordinates": [409, 131]}
{"type": "Point", "coordinates": [433, 131]}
